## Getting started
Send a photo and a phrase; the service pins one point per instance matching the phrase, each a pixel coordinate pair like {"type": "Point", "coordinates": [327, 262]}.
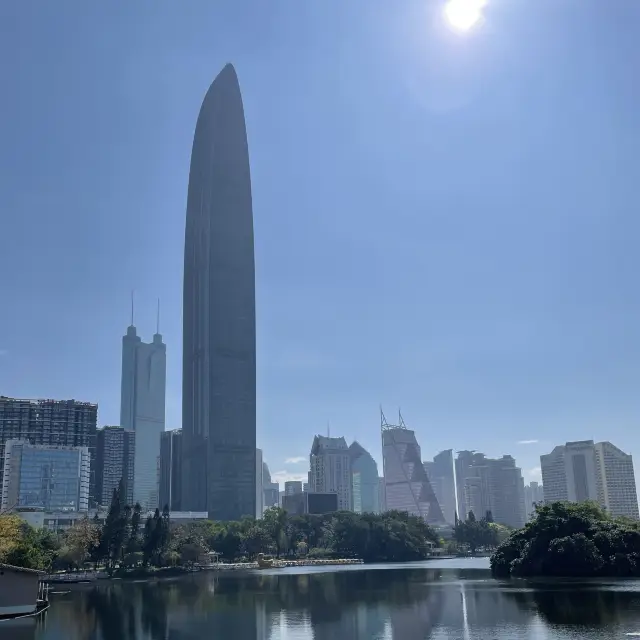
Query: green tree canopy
{"type": "Point", "coordinates": [565, 539]}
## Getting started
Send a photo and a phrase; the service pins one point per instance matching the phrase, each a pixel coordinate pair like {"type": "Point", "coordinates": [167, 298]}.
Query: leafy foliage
{"type": "Point", "coordinates": [79, 543]}
{"type": "Point", "coordinates": [476, 534]}
{"type": "Point", "coordinates": [24, 546]}
{"type": "Point", "coordinates": [577, 540]}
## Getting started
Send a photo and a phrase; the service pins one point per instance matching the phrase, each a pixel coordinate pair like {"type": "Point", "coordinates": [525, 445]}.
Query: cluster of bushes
{"type": "Point", "coordinates": [577, 540]}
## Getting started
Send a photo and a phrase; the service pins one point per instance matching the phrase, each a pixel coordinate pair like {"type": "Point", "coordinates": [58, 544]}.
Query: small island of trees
{"type": "Point", "coordinates": [571, 540]}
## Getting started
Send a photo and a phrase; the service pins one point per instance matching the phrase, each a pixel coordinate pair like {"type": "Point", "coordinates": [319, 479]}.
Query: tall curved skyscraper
{"type": "Point", "coordinates": [219, 320]}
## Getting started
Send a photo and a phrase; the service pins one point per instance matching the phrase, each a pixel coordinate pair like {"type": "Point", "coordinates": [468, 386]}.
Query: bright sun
{"type": "Point", "coordinates": [463, 14]}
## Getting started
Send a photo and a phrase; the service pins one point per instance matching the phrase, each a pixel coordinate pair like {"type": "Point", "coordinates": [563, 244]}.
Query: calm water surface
{"type": "Point", "coordinates": [437, 600]}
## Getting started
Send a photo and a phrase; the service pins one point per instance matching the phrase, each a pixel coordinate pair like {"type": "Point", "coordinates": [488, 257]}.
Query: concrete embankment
{"type": "Point", "coordinates": [281, 564]}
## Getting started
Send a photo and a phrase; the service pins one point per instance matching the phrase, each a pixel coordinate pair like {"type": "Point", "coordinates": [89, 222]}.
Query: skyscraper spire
{"type": "Point", "coordinates": [132, 308]}
{"type": "Point", "coordinates": [158, 318]}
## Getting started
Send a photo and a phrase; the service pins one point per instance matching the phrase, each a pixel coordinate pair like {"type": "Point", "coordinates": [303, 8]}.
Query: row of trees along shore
{"type": "Point", "coordinates": [571, 540]}
{"type": "Point", "coordinates": [128, 541]}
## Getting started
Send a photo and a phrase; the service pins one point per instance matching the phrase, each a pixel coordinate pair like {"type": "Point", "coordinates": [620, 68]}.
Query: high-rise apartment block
{"type": "Point", "coordinates": [365, 484]}
{"type": "Point", "coordinates": [533, 496]}
{"type": "Point", "coordinates": [490, 485]}
{"type": "Point", "coordinates": [569, 472]}
{"type": "Point", "coordinates": [330, 470]}
{"type": "Point", "coordinates": [441, 475]}
{"type": "Point", "coordinates": [66, 423]}
{"type": "Point", "coordinates": [115, 455]}
{"type": "Point", "coordinates": [47, 477]}
{"type": "Point", "coordinates": [407, 486]}
{"type": "Point", "coordinates": [142, 407]}
{"type": "Point", "coordinates": [171, 470]}
{"type": "Point", "coordinates": [584, 470]}
{"type": "Point", "coordinates": [616, 481]}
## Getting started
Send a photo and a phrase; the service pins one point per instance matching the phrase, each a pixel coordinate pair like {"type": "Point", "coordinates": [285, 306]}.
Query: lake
{"type": "Point", "coordinates": [441, 599]}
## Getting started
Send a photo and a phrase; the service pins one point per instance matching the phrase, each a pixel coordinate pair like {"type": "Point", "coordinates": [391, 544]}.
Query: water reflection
{"type": "Point", "coordinates": [21, 629]}
{"type": "Point", "coordinates": [397, 604]}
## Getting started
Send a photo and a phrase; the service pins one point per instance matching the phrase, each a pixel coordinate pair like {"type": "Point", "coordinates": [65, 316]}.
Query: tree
{"type": "Point", "coordinates": [275, 522]}
{"type": "Point", "coordinates": [227, 539]}
{"type": "Point", "coordinates": [256, 540]}
{"type": "Point", "coordinates": [24, 546]}
{"type": "Point", "coordinates": [165, 532]}
{"type": "Point", "coordinates": [156, 538]}
{"type": "Point", "coordinates": [148, 544]}
{"type": "Point", "coordinates": [190, 553]}
{"type": "Point", "coordinates": [10, 533]}
{"type": "Point", "coordinates": [133, 544]}
{"type": "Point", "coordinates": [565, 539]}
{"type": "Point", "coordinates": [115, 528]}
{"type": "Point", "coordinates": [187, 544]}
{"type": "Point", "coordinates": [80, 540]}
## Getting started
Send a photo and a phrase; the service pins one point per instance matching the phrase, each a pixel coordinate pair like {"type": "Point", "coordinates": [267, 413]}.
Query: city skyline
{"type": "Point", "coordinates": [574, 472]}
{"type": "Point", "coordinates": [478, 338]}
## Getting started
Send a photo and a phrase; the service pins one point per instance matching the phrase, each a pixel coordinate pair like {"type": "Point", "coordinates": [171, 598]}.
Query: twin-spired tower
{"type": "Point", "coordinates": [219, 319]}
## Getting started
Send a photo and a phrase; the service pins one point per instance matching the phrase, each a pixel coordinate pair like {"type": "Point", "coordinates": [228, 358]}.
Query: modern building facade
{"type": "Point", "coordinates": [58, 521]}
{"type": "Point", "coordinates": [259, 485]}
{"type": "Point", "coordinates": [616, 481]}
{"type": "Point", "coordinates": [142, 409]}
{"type": "Point", "coordinates": [171, 470]}
{"type": "Point", "coordinates": [45, 477]}
{"type": "Point", "coordinates": [569, 473]}
{"type": "Point", "coordinates": [490, 485]}
{"type": "Point", "coordinates": [584, 470]}
{"type": "Point", "coordinates": [65, 423]}
{"type": "Point", "coordinates": [382, 497]}
{"type": "Point", "coordinates": [441, 475]}
{"type": "Point", "coordinates": [312, 503]}
{"type": "Point", "coordinates": [463, 462]}
{"type": "Point", "coordinates": [115, 459]}
{"type": "Point", "coordinates": [407, 487]}
{"type": "Point", "coordinates": [295, 504]}
{"type": "Point", "coordinates": [533, 496]}
{"type": "Point", "coordinates": [271, 490]}
{"type": "Point", "coordinates": [219, 325]}
{"type": "Point", "coordinates": [330, 470]}
{"type": "Point", "coordinates": [365, 484]}
{"type": "Point", "coordinates": [292, 487]}
{"type": "Point", "coordinates": [321, 503]}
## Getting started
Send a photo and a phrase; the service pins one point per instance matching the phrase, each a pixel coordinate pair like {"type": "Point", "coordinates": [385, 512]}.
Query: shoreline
{"type": "Point", "coordinates": [166, 573]}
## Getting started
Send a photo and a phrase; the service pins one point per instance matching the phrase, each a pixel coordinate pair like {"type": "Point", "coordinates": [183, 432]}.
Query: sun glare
{"type": "Point", "coordinates": [463, 14]}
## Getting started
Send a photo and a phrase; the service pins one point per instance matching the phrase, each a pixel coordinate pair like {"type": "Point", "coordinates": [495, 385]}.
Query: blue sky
{"type": "Point", "coordinates": [444, 222]}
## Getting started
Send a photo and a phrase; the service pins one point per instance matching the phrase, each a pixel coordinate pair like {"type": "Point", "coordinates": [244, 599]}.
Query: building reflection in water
{"type": "Point", "coordinates": [389, 604]}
